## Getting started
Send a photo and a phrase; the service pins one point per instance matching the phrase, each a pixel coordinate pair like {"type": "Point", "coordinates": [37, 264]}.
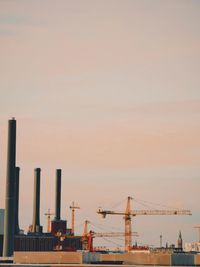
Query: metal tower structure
{"type": "Point", "coordinates": [129, 213]}
{"type": "Point", "coordinates": [73, 207]}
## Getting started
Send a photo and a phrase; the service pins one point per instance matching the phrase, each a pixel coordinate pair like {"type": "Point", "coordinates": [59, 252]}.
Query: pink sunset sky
{"type": "Point", "coordinates": [109, 91]}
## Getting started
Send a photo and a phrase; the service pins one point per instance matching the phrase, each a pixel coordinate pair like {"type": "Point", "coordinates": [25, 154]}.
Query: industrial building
{"type": "Point", "coordinates": [57, 239]}
{"type": "Point", "coordinates": [193, 246]}
{"type": "Point", "coordinates": [11, 237]}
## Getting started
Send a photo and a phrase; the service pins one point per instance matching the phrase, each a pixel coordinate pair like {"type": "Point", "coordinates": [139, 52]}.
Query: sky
{"type": "Point", "coordinates": [109, 91]}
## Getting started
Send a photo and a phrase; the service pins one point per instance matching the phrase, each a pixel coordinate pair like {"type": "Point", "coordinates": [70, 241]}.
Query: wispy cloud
{"type": "Point", "coordinates": [15, 20]}
{"type": "Point", "coordinates": [7, 33]}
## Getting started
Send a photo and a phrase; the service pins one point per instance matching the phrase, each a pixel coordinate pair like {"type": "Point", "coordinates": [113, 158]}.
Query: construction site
{"type": "Point", "coordinates": [60, 244]}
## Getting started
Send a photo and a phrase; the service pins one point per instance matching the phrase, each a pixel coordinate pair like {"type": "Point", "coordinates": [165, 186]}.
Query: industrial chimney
{"type": "Point", "coordinates": [58, 225]}
{"type": "Point", "coordinates": [58, 195]}
{"type": "Point", "coordinates": [9, 219]}
{"type": "Point", "coordinates": [36, 228]}
{"type": "Point", "coordinates": [17, 229]}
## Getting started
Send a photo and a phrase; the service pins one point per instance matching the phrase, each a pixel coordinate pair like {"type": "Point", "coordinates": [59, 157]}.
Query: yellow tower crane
{"type": "Point", "coordinates": [129, 213]}
{"type": "Point", "coordinates": [73, 207]}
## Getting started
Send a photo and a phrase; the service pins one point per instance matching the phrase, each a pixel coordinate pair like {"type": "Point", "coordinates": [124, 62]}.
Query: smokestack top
{"type": "Point", "coordinates": [58, 171]}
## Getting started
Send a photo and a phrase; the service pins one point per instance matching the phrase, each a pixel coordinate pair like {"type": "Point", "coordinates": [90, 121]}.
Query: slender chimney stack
{"type": "Point", "coordinates": [9, 219]}
{"type": "Point", "coordinates": [36, 228]}
{"type": "Point", "coordinates": [17, 230]}
{"type": "Point", "coordinates": [58, 195]}
{"type": "Point", "coordinates": [58, 225]}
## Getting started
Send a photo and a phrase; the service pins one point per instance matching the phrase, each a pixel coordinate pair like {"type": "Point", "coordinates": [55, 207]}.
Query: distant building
{"type": "Point", "coordinates": [1, 221]}
{"type": "Point", "coordinates": [194, 247]}
{"type": "Point", "coordinates": [180, 241]}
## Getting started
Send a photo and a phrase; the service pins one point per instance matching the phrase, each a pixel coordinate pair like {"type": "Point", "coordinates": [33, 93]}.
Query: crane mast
{"type": "Point", "coordinates": [128, 228]}
{"type": "Point", "coordinates": [129, 213]}
{"type": "Point", "coordinates": [73, 207]}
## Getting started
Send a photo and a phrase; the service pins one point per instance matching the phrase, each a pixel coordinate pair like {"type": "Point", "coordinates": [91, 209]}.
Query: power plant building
{"type": "Point", "coordinates": [11, 237]}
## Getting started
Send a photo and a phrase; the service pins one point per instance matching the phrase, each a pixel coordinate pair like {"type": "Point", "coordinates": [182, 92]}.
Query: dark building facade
{"type": "Point", "coordinates": [34, 243]}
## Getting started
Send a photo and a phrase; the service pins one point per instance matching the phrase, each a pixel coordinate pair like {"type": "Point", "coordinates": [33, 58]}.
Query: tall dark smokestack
{"type": "Point", "coordinates": [58, 225]}
{"type": "Point", "coordinates": [9, 219]}
{"type": "Point", "coordinates": [58, 195]}
{"type": "Point", "coordinates": [17, 170]}
{"type": "Point", "coordinates": [36, 228]}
